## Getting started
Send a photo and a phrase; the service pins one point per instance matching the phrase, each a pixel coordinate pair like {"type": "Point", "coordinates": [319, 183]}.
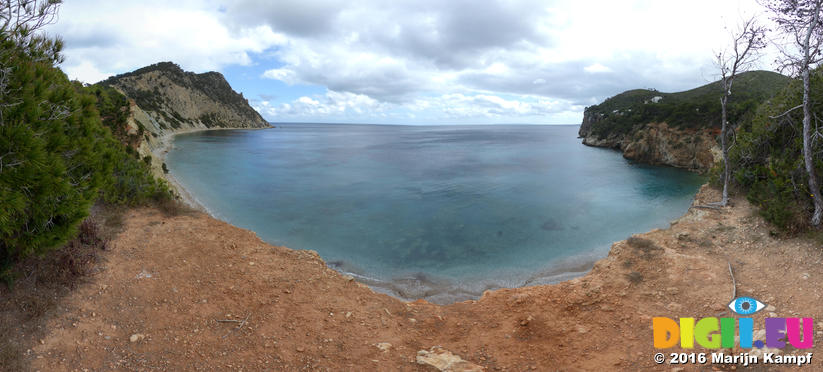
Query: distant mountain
{"type": "Point", "coordinates": [176, 99]}
{"type": "Point", "coordinates": [165, 100]}
{"type": "Point", "coordinates": [676, 129]}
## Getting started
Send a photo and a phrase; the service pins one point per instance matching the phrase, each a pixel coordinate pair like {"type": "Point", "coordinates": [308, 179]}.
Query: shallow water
{"type": "Point", "coordinates": [435, 212]}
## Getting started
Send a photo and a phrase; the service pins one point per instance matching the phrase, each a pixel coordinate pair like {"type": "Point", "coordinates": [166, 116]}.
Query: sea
{"type": "Point", "coordinates": [442, 213]}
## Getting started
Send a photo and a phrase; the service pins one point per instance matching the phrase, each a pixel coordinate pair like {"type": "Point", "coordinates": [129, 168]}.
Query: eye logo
{"type": "Point", "coordinates": [746, 305]}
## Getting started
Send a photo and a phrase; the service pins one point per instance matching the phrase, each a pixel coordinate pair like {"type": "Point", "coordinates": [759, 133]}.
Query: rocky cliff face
{"type": "Point", "coordinates": [660, 144]}
{"type": "Point", "coordinates": [166, 100]}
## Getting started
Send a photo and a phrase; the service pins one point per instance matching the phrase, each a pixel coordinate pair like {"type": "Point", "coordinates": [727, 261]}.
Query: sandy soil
{"type": "Point", "coordinates": [193, 293]}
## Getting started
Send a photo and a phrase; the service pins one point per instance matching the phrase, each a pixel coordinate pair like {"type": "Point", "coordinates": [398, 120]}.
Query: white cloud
{"type": "Point", "coordinates": [113, 37]}
{"type": "Point", "coordinates": [596, 68]}
{"type": "Point", "coordinates": [500, 59]}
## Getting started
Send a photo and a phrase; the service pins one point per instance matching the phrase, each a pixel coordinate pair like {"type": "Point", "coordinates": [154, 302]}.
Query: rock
{"type": "Point", "coordinates": [136, 337]}
{"type": "Point", "coordinates": [383, 346]}
{"type": "Point", "coordinates": [526, 321]}
{"type": "Point", "coordinates": [770, 308]}
{"type": "Point", "coordinates": [445, 361]}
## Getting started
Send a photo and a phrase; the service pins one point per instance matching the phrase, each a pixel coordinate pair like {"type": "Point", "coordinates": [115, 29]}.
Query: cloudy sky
{"type": "Point", "coordinates": [413, 62]}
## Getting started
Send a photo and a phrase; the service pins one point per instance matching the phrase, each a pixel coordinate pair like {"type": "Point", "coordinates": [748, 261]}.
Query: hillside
{"type": "Point", "coordinates": [165, 100]}
{"type": "Point", "coordinates": [676, 129]}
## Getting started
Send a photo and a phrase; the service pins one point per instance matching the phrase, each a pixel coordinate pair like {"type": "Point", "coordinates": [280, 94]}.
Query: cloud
{"type": "Point", "coordinates": [336, 104]}
{"type": "Point", "coordinates": [105, 38]}
{"type": "Point", "coordinates": [374, 57]}
{"type": "Point", "coordinates": [596, 68]}
{"type": "Point", "coordinates": [458, 107]}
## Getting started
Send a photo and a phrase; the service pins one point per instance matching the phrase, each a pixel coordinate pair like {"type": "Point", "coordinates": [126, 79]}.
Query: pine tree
{"type": "Point", "coordinates": [52, 159]}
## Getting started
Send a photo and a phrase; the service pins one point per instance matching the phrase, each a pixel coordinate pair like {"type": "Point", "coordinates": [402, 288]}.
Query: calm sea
{"type": "Point", "coordinates": [435, 212]}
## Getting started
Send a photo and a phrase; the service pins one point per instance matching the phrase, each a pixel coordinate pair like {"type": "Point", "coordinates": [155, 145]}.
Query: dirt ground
{"type": "Point", "coordinates": [190, 293]}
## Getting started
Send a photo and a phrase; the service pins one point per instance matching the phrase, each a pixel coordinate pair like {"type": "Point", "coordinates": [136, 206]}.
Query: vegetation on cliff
{"type": "Point", "coordinates": [56, 155]}
{"type": "Point", "coordinates": [162, 88]}
{"type": "Point", "coordinates": [768, 156]}
{"type": "Point", "coordinates": [692, 109]}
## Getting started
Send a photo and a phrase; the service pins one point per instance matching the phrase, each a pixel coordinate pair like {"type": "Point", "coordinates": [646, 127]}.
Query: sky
{"type": "Point", "coordinates": [410, 62]}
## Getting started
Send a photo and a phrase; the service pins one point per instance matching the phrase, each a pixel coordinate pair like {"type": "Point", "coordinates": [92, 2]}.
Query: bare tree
{"type": "Point", "coordinates": [801, 22]}
{"type": "Point", "coordinates": [740, 56]}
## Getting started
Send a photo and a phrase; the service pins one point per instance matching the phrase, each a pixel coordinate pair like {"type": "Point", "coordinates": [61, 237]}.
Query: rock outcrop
{"type": "Point", "coordinates": [660, 144]}
{"type": "Point", "coordinates": [677, 129]}
{"type": "Point", "coordinates": [165, 100]}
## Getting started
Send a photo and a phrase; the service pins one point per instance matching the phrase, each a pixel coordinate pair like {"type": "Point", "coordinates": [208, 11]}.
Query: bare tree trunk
{"type": "Point", "coordinates": [725, 148]}
{"type": "Point", "coordinates": [814, 188]}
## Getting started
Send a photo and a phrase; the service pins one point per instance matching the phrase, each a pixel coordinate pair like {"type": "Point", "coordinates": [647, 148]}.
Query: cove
{"type": "Point", "coordinates": [435, 212]}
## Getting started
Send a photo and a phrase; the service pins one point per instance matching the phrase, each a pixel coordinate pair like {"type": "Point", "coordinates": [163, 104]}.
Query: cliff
{"type": "Point", "coordinates": [676, 129]}
{"type": "Point", "coordinates": [661, 144]}
{"type": "Point", "coordinates": [165, 100]}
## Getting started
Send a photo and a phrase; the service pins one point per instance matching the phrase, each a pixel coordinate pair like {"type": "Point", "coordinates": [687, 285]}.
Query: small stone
{"type": "Point", "coordinates": [383, 346]}
{"type": "Point", "coordinates": [136, 337]}
{"type": "Point", "coordinates": [348, 314]}
{"type": "Point", "coordinates": [770, 308]}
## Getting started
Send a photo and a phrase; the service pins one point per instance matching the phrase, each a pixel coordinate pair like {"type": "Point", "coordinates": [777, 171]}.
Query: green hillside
{"type": "Point", "coordinates": [696, 108]}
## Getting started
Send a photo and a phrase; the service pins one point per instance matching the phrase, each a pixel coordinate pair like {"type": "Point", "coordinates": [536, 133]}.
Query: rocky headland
{"type": "Point", "coordinates": [674, 129]}
{"type": "Point", "coordinates": [660, 144]}
{"type": "Point", "coordinates": [165, 101]}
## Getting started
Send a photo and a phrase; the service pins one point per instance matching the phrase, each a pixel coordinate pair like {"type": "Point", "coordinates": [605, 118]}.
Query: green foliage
{"type": "Point", "coordinates": [130, 181]}
{"type": "Point", "coordinates": [692, 109]}
{"type": "Point", "coordinates": [52, 154]}
{"type": "Point", "coordinates": [56, 156]}
{"type": "Point", "coordinates": [768, 157]}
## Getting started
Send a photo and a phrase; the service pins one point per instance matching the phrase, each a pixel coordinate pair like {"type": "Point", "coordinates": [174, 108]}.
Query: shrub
{"type": "Point", "coordinates": [52, 155]}
{"type": "Point", "coordinates": [768, 159]}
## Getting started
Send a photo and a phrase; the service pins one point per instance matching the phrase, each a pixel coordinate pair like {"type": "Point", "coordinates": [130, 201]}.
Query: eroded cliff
{"type": "Point", "coordinates": [660, 144]}
{"type": "Point", "coordinates": [676, 129]}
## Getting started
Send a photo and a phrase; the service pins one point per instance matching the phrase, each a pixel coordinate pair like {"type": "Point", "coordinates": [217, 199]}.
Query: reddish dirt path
{"type": "Point", "coordinates": [168, 280]}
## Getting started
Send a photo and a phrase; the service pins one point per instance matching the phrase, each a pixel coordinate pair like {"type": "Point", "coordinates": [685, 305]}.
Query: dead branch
{"type": "Point", "coordinates": [787, 112]}
{"type": "Point", "coordinates": [238, 327]}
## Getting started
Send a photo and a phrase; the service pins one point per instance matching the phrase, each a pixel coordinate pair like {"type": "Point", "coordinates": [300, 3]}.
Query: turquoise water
{"type": "Point", "coordinates": [435, 212]}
